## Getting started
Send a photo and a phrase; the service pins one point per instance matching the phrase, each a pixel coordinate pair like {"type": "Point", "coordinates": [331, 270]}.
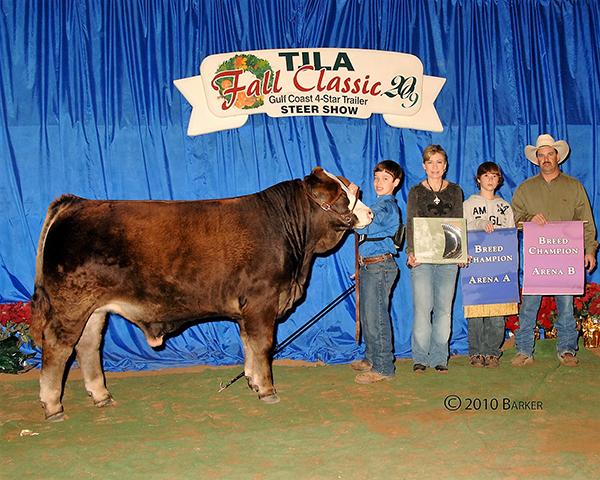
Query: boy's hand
{"type": "Point", "coordinates": [412, 261]}
{"type": "Point", "coordinates": [353, 189]}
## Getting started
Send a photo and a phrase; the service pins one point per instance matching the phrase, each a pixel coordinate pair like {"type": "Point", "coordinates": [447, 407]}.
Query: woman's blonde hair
{"type": "Point", "coordinates": [430, 150]}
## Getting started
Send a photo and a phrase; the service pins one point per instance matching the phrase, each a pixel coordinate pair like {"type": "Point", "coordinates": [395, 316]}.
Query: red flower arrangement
{"type": "Point", "coordinates": [512, 322]}
{"type": "Point", "coordinates": [547, 314]}
{"type": "Point", "coordinates": [588, 305]}
{"type": "Point", "coordinates": [15, 318]}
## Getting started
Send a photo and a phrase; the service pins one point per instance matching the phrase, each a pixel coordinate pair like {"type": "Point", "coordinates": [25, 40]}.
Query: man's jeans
{"type": "Point", "coordinates": [433, 291]}
{"type": "Point", "coordinates": [376, 282]}
{"type": "Point", "coordinates": [566, 330]}
{"type": "Point", "coordinates": [486, 335]}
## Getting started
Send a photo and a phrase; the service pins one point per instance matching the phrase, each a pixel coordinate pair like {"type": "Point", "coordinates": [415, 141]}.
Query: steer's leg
{"type": "Point", "coordinates": [258, 344]}
{"type": "Point", "coordinates": [88, 358]}
{"type": "Point", "coordinates": [55, 354]}
{"type": "Point", "coordinates": [248, 357]}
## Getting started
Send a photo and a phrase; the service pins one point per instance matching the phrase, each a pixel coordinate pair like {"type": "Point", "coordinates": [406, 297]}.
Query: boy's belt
{"type": "Point", "coordinates": [376, 259]}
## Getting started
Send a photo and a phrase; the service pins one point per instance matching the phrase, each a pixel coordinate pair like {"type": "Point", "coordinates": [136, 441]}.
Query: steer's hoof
{"type": "Point", "coordinates": [106, 402]}
{"type": "Point", "coordinates": [56, 417]}
{"type": "Point", "coordinates": [272, 398]}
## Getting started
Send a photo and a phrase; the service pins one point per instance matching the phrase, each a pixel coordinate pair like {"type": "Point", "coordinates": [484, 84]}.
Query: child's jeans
{"type": "Point", "coordinates": [486, 335]}
{"type": "Point", "coordinates": [376, 282]}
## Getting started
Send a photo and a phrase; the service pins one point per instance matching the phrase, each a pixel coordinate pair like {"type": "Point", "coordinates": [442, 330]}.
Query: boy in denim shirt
{"type": "Point", "coordinates": [378, 272]}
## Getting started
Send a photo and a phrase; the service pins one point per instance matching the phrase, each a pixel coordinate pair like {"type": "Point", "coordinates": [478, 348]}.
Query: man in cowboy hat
{"type": "Point", "coordinates": [552, 196]}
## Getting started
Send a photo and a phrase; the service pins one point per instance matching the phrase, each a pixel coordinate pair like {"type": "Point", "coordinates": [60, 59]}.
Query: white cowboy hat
{"type": "Point", "coordinates": [546, 140]}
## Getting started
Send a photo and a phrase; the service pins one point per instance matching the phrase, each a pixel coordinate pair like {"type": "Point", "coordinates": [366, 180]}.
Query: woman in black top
{"type": "Point", "coordinates": [433, 284]}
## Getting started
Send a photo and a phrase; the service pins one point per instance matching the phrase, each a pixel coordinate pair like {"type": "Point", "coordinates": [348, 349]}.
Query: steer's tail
{"type": "Point", "coordinates": [40, 302]}
{"type": "Point", "coordinates": [40, 311]}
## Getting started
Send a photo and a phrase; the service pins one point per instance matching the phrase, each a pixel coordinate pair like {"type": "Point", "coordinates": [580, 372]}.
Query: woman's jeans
{"type": "Point", "coordinates": [486, 335]}
{"type": "Point", "coordinates": [376, 282]}
{"type": "Point", "coordinates": [433, 291]}
{"type": "Point", "coordinates": [566, 330]}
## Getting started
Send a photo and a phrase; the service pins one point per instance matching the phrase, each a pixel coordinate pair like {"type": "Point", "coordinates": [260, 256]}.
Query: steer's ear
{"type": "Point", "coordinates": [320, 175]}
{"type": "Point", "coordinates": [321, 185]}
{"type": "Point", "coordinates": [317, 175]}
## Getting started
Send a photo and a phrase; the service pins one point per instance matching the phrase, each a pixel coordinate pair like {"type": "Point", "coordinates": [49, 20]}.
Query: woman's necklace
{"type": "Point", "coordinates": [436, 200]}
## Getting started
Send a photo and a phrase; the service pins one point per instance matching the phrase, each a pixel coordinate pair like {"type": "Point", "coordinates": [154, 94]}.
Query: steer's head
{"type": "Point", "coordinates": [340, 209]}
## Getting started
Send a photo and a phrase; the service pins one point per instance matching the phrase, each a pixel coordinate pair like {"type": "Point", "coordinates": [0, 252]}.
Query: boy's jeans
{"type": "Point", "coordinates": [486, 335]}
{"type": "Point", "coordinates": [376, 281]}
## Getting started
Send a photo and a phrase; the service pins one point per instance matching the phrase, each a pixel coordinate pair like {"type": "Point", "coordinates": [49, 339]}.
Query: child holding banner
{"type": "Point", "coordinates": [487, 211]}
{"type": "Point", "coordinates": [378, 271]}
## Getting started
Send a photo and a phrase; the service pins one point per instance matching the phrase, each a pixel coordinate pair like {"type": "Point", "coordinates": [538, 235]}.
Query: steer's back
{"type": "Point", "coordinates": [149, 260]}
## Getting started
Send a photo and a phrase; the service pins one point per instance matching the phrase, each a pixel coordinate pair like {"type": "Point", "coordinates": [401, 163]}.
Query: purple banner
{"type": "Point", "coordinates": [553, 258]}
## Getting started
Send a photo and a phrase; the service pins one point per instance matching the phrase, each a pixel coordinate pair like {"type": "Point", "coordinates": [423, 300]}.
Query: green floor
{"type": "Point", "coordinates": [176, 425]}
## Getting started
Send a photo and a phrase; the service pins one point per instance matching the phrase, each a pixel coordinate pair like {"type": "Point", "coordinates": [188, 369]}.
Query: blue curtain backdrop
{"type": "Point", "coordinates": [87, 106]}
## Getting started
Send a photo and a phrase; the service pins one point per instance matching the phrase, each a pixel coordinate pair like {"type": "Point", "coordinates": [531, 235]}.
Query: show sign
{"type": "Point", "coordinates": [553, 258]}
{"type": "Point", "coordinates": [327, 81]}
{"type": "Point", "coordinates": [490, 282]}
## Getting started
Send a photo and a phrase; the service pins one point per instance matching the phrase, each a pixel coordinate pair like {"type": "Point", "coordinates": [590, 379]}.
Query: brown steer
{"type": "Point", "coordinates": [163, 264]}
